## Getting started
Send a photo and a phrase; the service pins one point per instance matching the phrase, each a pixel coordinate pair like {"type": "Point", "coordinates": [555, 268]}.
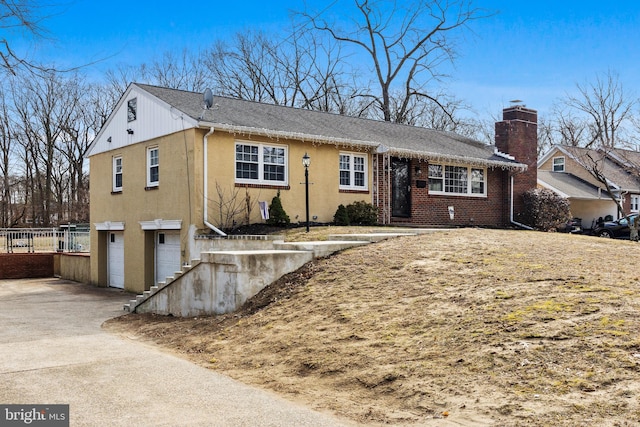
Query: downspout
{"type": "Point", "coordinates": [526, 227]}
{"type": "Point", "coordinates": [205, 188]}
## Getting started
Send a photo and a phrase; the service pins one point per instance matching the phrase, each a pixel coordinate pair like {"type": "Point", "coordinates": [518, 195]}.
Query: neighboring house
{"type": "Point", "coordinates": [566, 171]}
{"type": "Point", "coordinates": [164, 170]}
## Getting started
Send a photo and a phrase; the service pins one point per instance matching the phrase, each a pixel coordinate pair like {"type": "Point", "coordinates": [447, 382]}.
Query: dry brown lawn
{"type": "Point", "coordinates": [463, 327]}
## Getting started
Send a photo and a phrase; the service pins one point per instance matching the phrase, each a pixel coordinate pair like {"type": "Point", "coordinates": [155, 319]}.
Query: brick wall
{"type": "Point", "coordinates": [433, 210]}
{"type": "Point", "coordinates": [517, 135]}
{"type": "Point", "coordinates": [23, 266]}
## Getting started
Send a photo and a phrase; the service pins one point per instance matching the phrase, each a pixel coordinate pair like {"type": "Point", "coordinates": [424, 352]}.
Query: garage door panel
{"type": "Point", "coordinates": [167, 254]}
{"type": "Point", "coordinates": [115, 259]}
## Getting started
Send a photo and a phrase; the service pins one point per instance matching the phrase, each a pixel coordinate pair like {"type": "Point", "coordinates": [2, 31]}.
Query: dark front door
{"type": "Point", "coordinates": [400, 188]}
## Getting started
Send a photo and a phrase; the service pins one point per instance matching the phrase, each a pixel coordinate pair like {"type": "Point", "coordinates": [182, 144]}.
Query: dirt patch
{"type": "Point", "coordinates": [463, 327]}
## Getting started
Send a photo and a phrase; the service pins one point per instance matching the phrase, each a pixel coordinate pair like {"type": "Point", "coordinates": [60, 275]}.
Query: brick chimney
{"type": "Point", "coordinates": [517, 135]}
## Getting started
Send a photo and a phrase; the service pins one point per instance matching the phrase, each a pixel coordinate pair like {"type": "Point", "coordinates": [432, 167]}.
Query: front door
{"type": "Point", "coordinates": [400, 188]}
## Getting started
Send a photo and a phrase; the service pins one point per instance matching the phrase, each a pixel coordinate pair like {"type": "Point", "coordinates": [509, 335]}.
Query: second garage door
{"type": "Point", "coordinates": [167, 254]}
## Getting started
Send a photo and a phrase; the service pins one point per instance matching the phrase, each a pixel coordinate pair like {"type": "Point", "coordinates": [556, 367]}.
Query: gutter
{"type": "Point", "coordinates": [205, 190]}
{"type": "Point", "coordinates": [526, 227]}
{"type": "Point", "coordinates": [400, 152]}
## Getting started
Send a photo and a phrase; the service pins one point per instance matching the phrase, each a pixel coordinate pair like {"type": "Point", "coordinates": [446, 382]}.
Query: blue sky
{"type": "Point", "coordinates": [532, 51]}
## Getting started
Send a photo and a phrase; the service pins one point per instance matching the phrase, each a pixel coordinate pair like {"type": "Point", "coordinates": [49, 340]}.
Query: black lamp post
{"type": "Point", "coordinates": [306, 161]}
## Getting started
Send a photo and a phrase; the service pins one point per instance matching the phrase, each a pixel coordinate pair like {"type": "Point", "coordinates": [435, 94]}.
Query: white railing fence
{"type": "Point", "coordinates": [23, 240]}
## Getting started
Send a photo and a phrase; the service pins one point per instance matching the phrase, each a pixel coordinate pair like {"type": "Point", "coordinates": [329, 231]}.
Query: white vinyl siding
{"type": "Point", "coordinates": [353, 171]}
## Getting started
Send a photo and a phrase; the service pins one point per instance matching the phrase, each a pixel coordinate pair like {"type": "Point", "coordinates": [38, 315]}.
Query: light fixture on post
{"type": "Point", "coordinates": [306, 161]}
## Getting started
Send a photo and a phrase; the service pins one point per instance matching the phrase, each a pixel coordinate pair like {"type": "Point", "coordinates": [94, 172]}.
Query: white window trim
{"type": "Point", "coordinates": [155, 183]}
{"type": "Point", "coordinates": [261, 180]}
{"type": "Point", "coordinates": [562, 165]}
{"type": "Point", "coordinates": [352, 172]}
{"type": "Point", "coordinates": [469, 182]}
{"type": "Point", "coordinates": [115, 187]}
{"type": "Point", "coordinates": [637, 202]}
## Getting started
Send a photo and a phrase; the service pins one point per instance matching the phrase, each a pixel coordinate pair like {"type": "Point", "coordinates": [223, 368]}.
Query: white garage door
{"type": "Point", "coordinates": [115, 259]}
{"type": "Point", "coordinates": [167, 254]}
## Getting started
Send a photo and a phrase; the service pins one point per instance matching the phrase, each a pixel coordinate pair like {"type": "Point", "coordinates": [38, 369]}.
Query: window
{"type": "Point", "coordinates": [153, 167]}
{"type": "Point", "coordinates": [261, 164]}
{"type": "Point", "coordinates": [132, 109]}
{"type": "Point", "coordinates": [353, 171]}
{"type": "Point", "coordinates": [635, 201]}
{"type": "Point", "coordinates": [117, 174]}
{"type": "Point", "coordinates": [558, 164]}
{"type": "Point", "coordinates": [460, 180]}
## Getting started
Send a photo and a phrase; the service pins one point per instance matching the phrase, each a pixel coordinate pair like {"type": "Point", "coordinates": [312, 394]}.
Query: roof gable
{"type": "Point", "coordinates": [154, 118]}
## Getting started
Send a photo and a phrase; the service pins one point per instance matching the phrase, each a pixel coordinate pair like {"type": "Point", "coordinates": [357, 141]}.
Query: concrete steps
{"type": "Point", "coordinates": [131, 306]}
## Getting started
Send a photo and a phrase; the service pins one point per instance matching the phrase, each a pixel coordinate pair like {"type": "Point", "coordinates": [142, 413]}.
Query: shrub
{"type": "Point", "coordinates": [545, 210]}
{"type": "Point", "coordinates": [277, 215]}
{"type": "Point", "coordinates": [362, 213]}
{"type": "Point", "coordinates": [341, 217]}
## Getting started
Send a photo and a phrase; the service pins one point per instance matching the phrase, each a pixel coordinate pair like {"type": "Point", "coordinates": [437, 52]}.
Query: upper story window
{"type": "Point", "coordinates": [457, 180]}
{"type": "Point", "coordinates": [558, 164]}
{"type": "Point", "coordinates": [132, 109]}
{"type": "Point", "coordinates": [153, 167]}
{"type": "Point", "coordinates": [261, 164]}
{"type": "Point", "coordinates": [117, 174]}
{"type": "Point", "coordinates": [353, 171]}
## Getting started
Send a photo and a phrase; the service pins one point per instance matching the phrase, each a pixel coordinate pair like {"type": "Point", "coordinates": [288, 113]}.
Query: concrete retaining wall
{"type": "Point", "coordinates": [222, 282]}
{"type": "Point", "coordinates": [76, 267]}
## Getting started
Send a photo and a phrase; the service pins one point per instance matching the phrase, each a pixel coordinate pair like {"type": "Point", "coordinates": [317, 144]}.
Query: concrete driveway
{"type": "Point", "coordinates": [53, 351]}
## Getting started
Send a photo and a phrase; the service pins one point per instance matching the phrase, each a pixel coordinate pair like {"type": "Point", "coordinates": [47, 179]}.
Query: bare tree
{"type": "Point", "coordinates": [595, 162]}
{"type": "Point", "coordinates": [405, 45]}
{"type": "Point", "coordinates": [607, 110]}
{"type": "Point", "coordinates": [186, 71]}
{"type": "Point", "coordinates": [17, 16]}
{"type": "Point", "coordinates": [6, 161]}
{"type": "Point", "coordinates": [299, 71]}
{"type": "Point", "coordinates": [43, 107]}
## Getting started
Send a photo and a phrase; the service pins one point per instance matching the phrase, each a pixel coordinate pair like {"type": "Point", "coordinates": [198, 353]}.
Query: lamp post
{"type": "Point", "coordinates": [306, 161]}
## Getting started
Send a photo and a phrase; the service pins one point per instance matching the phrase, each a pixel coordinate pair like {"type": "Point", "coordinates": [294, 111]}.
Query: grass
{"type": "Point", "coordinates": [491, 327]}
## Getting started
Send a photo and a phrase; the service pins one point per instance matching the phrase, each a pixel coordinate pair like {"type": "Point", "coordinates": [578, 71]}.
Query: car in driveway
{"type": "Point", "coordinates": [618, 229]}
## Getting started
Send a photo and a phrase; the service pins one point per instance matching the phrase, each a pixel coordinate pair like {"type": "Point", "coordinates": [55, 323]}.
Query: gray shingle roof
{"type": "Point", "coordinates": [570, 185]}
{"type": "Point", "coordinates": [611, 169]}
{"type": "Point", "coordinates": [247, 117]}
